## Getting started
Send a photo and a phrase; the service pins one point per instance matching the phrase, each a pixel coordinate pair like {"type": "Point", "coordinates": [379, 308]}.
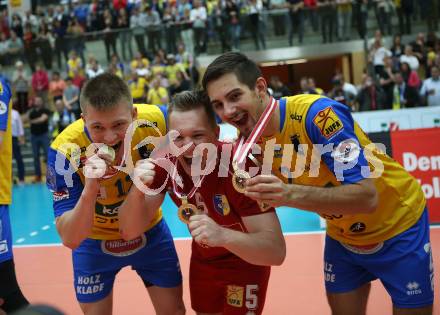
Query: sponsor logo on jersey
{"type": "Point", "coordinates": [413, 288]}
{"type": "Point", "coordinates": [221, 204]}
{"type": "Point", "coordinates": [234, 295]}
{"type": "Point", "coordinates": [3, 108]}
{"type": "Point", "coordinates": [3, 247]}
{"type": "Point", "coordinates": [346, 151]}
{"type": "Point", "coordinates": [61, 195]}
{"type": "Point", "coordinates": [297, 117]}
{"type": "Point", "coordinates": [121, 248]}
{"type": "Point", "coordinates": [357, 227]}
{"type": "Point", "coordinates": [328, 122]}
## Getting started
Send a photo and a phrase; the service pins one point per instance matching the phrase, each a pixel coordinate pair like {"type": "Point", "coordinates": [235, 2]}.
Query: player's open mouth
{"type": "Point", "coordinates": [240, 119]}
{"type": "Point", "coordinates": [116, 146]}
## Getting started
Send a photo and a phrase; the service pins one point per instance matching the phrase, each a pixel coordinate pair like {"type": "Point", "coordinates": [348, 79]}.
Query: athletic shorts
{"type": "Point", "coordinates": [152, 255]}
{"type": "Point", "coordinates": [230, 288]}
{"type": "Point", "coordinates": [5, 234]}
{"type": "Point", "coordinates": [403, 264]}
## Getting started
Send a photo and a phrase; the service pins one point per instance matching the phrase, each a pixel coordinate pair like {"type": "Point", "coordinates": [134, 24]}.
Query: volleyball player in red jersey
{"type": "Point", "coordinates": [235, 241]}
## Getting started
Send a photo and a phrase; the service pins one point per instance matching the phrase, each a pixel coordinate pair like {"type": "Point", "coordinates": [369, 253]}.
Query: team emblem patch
{"type": "Point", "coordinates": [121, 248]}
{"type": "Point", "coordinates": [328, 122]}
{"type": "Point", "coordinates": [221, 204]}
{"type": "Point", "coordinates": [3, 108]}
{"type": "Point", "coordinates": [234, 295]}
{"type": "Point", "coordinates": [3, 247]}
{"type": "Point", "coordinates": [61, 195]}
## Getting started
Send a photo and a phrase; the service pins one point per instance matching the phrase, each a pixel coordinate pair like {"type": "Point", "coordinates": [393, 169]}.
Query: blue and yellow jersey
{"type": "Point", "coordinates": [6, 146]}
{"type": "Point", "coordinates": [327, 148]}
{"type": "Point", "coordinates": [65, 178]}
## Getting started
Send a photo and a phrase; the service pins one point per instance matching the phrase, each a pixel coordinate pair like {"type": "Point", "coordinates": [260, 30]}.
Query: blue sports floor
{"type": "Point", "coordinates": [33, 221]}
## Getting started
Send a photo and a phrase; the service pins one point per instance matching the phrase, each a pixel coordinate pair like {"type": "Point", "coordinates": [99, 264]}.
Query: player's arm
{"type": "Point", "coordinates": [5, 98]}
{"type": "Point", "coordinates": [74, 202]}
{"type": "Point", "coordinates": [139, 208]}
{"type": "Point", "coordinates": [356, 194]}
{"type": "Point", "coordinates": [263, 244]}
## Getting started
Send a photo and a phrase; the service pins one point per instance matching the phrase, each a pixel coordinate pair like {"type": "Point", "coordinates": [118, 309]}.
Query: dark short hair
{"type": "Point", "coordinates": [104, 92]}
{"type": "Point", "coordinates": [190, 100]}
{"type": "Point", "coordinates": [246, 70]}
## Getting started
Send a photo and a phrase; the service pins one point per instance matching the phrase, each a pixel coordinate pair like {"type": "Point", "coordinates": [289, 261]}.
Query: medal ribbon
{"type": "Point", "coordinates": [194, 189]}
{"type": "Point", "coordinates": [245, 145]}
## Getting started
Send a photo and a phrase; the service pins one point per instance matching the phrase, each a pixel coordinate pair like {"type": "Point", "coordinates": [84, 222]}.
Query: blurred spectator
{"type": "Point", "coordinates": [157, 66]}
{"type": "Point", "coordinates": [137, 26]}
{"type": "Point", "coordinates": [279, 18]}
{"type": "Point", "coordinates": [304, 87]}
{"type": "Point", "coordinates": [153, 28]}
{"type": "Point", "coordinates": [386, 80]}
{"type": "Point", "coordinates": [344, 12]}
{"type": "Point", "coordinates": [17, 141]}
{"type": "Point", "coordinates": [296, 15]}
{"type": "Point", "coordinates": [15, 48]}
{"type": "Point", "coordinates": [312, 86]}
{"type": "Point", "coordinates": [138, 87]}
{"type": "Point", "coordinates": [370, 96]}
{"type": "Point", "coordinates": [221, 26]}
{"type": "Point", "coordinates": [56, 86]}
{"type": "Point", "coordinates": [198, 18]}
{"type": "Point", "coordinates": [71, 98]}
{"type": "Point", "coordinates": [410, 76]}
{"type": "Point", "coordinates": [4, 23]}
{"type": "Point", "coordinates": [3, 49]}
{"type": "Point", "coordinates": [61, 44]}
{"type": "Point", "coordinates": [412, 82]}
{"type": "Point", "coordinates": [60, 119]}
{"type": "Point", "coordinates": [157, 94]}
{"type": "Point", "coordinates": [377, 53]}
{"type": "Point", "coordinates": [384, 10]}
{"type": "Point", "coordinates": [328, 14]}
{"type": "Point", "coordinates": [409, 58]}
{"type": "Point", "coordinates": [119, 67]}
{"type": "Point", "coordinates": [255, 8]}
{"type": "Point", "coordinates": [30, 46]}
{"type": "Point", "coordinates": [169, 20]}
{"type": "Point", "coordinates": [74, 63]}
{"type": "Point", "coordinates": [93, 68]}
{"type": "Point", "coordinates": [38, 117]}
{"type": "Point", "coordinates": [172, 68]}
{"type": "Point", "coordinates": [17, 25]}
{"type": "Point", "coordinates": [397, 50]}
{"type": "Point", "coordinates": [44, 44]}
{"type": "Point", "coordinates": [404, 9]}
{"type": "Point", "coordinates": [279, 89]}
{"type": "Point", "coordinates": [186, 30]}
{"type": "Point", "coordinates": [430, 90]}
{"type": "Point", "coordinates": [110, 35]}
{"type": "Point", "coordinates": [78, 79]}
{"type": "Point", "coordinates": [339, 94]}
{"type": "Point", "coordinates": [361, 16]}
{"type": "Point", "coordinates": [20, 82]}
{"type": "Point", "coordinates": [40, 83]}
{"type": "Point", "coordinates": [76, 38]}
{"type": "Point", "coordinates": [180, 83]}
{"type": "Point", "coordinates": [400, 92]}
{"type": "Point", "coordinates": [140, 65]}
{"type": "Point", "coordinates": [31, 20]}
{"type": "Point", "coordinates": [123, 25]}
{"type": "Point", "coordinates": [311, 10]}
{"type": "Point", "coordinates": [419, 49]}
{"type": "Point", "coordinates": [233, 14]}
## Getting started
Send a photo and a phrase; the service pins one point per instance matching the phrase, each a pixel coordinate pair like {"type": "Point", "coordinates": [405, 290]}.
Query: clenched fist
{"type": "Point", "coordinates": [144, 172]}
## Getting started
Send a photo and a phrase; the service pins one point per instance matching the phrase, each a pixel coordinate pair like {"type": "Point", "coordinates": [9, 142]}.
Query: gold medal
{"type": "Point", "coordinates": [239, 179]}
{"type": "Point", "coordinates": [186, 210]}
